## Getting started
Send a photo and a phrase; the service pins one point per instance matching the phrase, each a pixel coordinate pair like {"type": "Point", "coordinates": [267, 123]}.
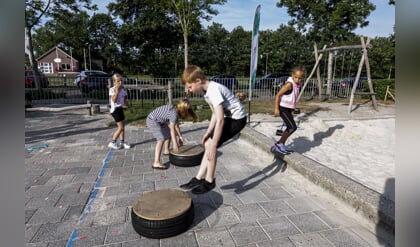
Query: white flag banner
{"type": "Point", "coordinates": [254, 51]}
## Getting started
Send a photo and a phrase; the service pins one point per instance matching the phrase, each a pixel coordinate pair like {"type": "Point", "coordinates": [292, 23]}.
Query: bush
{"type": "Point", "coordinates": [379, 87]}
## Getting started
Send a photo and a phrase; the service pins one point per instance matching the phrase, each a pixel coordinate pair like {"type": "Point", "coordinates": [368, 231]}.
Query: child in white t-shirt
{"type": "Point", "coordinates": [227, 120]}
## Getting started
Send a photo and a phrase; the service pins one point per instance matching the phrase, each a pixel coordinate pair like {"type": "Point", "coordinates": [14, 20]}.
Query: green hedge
{"type": "Point", "coordinates": [379, 87]}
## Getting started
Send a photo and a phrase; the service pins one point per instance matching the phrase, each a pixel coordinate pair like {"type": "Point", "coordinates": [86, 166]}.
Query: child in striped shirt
{"type": "Point", "coordinates": [164, 124]}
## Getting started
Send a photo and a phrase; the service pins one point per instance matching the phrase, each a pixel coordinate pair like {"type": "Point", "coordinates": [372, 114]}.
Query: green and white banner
{"type": "Point", "coordinates": [254, 51]}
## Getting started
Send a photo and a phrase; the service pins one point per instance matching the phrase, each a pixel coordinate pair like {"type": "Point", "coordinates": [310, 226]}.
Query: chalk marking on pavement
{"type": "Point", "coordinates": [74, 235]}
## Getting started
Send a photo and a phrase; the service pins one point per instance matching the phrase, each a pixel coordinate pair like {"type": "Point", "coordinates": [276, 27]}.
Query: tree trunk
{"type": "Point", "coordinates": [185, 49]}
{"type": "Point", "coordinates": [32, 60]}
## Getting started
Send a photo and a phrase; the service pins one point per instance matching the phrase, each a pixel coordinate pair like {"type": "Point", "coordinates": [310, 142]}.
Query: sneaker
{"type": "Point", "coordinates": [113, 145]}
{"type": "Point", "coordinates": [125, 145]}
{"type": "Point", "coordinates": [279, 147]}
{"type": "Point", "coordinates": [204, 187]}
{"type": "Point", "coordinates": [194, 182]}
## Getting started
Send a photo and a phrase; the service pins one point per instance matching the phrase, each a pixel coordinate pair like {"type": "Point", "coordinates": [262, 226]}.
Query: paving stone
{"type": "Point", "coordinates": [343, 237]}
{"type": "Point", "coordinates": [247, 233]}
{"type": "Point", "coordinates": [73, 213]}
{"type": "Point", "coordinates": [250, 212]}
{"type": "Point", "coordinates": [73, 199]}
{"type": "Point", "coordinates": [90, 236]}
{"type": "Point", "coordinates": [117, 190]}
{"type": "Point", "coordinates": [186, 239]}
{"type": "Point", "coordinates": [275, 193]}
{"type": "Point", "coordinates": [221, 216]}
{"type": "Point", "coordinates": [28, 214]}
{"type": "Point", "coordinates": [30, 231]}
{"type": "Point", "coordinates": [308, 222]}
{"type": "Point", "coordinates": [78, 170]}
{"type": "Point", "coordinates": [214, 237]}
{"type": "Point", "coordinates": [109, 217]}
{"type": "Point", "coordinates": [278, 227]}
{"type": "Point", "coordinates": [335, 218]}
{"type": "Point", "coordinates": [136, 188]}
{"type": "Point", "coordinates": [252, 196]}
{"type": "Point", "coordinates": [48, 201]}
{"type": "Point", "coordinates": [39, 191]}
{"type": "Point", "coordinates": [47, 215]}
{"type": "Point", "coordinates": [309, 240]}
{"type": "Point", "coordinates": [166, 184]}
{"type": "Point", "coordinates": [283, 242]}
{"type": "Point", "coordinates": [145, 242]}
{"type": "Point", "coordinates": [121, 232]}
{"type": "Point", "coordinates": [302, 204]}
{"type": "Point", "coordinates": [53, 232]}
{"type": "Point", "coordinates": [276, 208]}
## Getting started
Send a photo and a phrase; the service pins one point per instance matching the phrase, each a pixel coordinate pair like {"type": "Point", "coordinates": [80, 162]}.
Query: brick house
{"type": "Point", "coordinates": [56, 60]}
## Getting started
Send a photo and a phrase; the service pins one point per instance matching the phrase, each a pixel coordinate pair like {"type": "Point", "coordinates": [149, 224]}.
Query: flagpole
{"type": "Point", "coordinates": [254, 58]}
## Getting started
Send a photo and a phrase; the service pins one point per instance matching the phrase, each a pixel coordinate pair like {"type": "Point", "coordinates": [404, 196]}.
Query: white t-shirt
{"type": "Point", "coordinates": [120, 100]}
{"type": "Point", "coordinates": [218, 94]}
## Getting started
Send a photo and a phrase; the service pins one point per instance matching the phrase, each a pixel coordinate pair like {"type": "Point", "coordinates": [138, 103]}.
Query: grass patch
{"type": "Point", "coordinates": [141, 110]}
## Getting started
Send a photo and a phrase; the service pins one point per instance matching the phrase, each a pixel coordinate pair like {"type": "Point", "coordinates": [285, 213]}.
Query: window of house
{"type": "Point", "coordinates": [46, 68]}
{"type": "Point", "coordinates": [65, 66]}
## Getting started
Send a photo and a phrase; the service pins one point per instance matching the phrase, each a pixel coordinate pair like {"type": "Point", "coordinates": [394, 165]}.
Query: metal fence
{"type": "Point", "coordinates": [62, 90]}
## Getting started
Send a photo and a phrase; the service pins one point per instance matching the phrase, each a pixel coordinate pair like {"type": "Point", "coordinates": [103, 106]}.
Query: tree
{"type": "Point", "coordinates": [327, 21]}
{"type": "Point", "coordinates": [36, 10]}
{"type": "Point", "coordinates": [148, 35]}
{"type": "Point", "coordinates": [187, 13]}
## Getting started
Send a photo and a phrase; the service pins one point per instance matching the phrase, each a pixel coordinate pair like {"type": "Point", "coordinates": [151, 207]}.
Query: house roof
{"type": "Point", "coordinates": [53, 49]}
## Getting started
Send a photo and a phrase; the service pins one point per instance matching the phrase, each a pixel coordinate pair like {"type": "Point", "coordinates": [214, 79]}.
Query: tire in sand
{"type": "Point", "coordinates": [162, 213]}
{"type": "Point", "coordinates": [188, 155]}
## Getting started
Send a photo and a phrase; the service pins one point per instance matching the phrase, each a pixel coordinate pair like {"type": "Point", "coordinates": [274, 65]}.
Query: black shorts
{"type": "Point", "coordinates": [231, 127]}
{"type": "Point", "coordinates": [118, 114]}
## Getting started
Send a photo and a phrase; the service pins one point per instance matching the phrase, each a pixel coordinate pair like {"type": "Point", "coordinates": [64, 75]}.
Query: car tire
{"type": "Point", "coordinates": [188, 155]}
{"type": "Point", "coordinates": [162, 213]}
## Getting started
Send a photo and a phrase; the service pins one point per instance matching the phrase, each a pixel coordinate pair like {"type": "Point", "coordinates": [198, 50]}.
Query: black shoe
{"type": "Point", "coordinates": [191, 184]}
{"type": "Point", "coordinates": [204, 187]}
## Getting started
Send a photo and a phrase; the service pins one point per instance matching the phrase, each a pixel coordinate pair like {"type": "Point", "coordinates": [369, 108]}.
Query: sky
{"type": "Point", "coordinates": [241, 13]}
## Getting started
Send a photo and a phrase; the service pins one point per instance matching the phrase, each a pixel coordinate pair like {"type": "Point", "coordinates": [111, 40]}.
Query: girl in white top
{"type": "Point", "coordinates": [117, 99]}
{"type": "Point", "coordinates": [285, 104]}
{"type": "Point", "coordinates": [228, 119]}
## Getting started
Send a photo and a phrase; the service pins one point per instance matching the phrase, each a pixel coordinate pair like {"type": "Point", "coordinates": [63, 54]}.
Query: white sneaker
{"type": "Point", "coordinates": [125, 145]}
{"type": "Point", "coordinates": [113, 145]}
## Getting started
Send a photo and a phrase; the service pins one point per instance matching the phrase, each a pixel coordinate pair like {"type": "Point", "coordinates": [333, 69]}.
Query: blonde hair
{"type": "Point", "coordinates": [183, 108]}
{"type": "Point", "coordinates": [192, 73]}
{"type": "Point", "coordinates": [115, 77]}
{"type": "Point", "coordinates": [241, 96]}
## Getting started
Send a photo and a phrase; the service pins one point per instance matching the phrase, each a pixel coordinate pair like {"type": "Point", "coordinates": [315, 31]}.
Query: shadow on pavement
{"type": "Point", "coordinates": [256, 178]}
{"type": "Point", "coordinates": [205, 206]}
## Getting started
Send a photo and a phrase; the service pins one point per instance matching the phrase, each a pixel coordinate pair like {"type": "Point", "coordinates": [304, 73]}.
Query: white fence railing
{"type": "Point", "coordinates": [62, 90]}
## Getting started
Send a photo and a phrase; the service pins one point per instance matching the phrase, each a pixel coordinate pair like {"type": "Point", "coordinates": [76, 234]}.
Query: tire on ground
{"type": "Point", "coordinates": [188, 155]}
{"type": "Point", "coordinates": [162, 213]}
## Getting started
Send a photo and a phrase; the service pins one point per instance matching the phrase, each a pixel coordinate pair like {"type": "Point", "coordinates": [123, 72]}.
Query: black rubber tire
{"type": "Point", "coordinates": [186, 161]}
{"type": "Point", "coordinates": [163, 228]}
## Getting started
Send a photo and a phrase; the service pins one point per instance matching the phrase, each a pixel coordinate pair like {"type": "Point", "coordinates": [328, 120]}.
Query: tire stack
{"type": "Point", "coordinates": [162, 213]}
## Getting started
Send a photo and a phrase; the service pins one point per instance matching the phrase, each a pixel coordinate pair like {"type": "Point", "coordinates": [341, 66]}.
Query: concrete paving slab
{"type": "Point", "coordinates": [259, 200]}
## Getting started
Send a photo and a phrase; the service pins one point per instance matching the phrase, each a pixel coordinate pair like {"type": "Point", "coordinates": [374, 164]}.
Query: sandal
{"type": "Point", "coordinates": [160, 167]}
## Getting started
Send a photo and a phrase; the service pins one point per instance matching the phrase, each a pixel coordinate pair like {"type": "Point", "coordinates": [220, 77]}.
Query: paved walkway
{"type": "Point", "coordinates": [79, 193]}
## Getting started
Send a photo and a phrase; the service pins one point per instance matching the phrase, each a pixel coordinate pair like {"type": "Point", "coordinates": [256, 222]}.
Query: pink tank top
{"type": "Point", "coordinates": [289, 100]}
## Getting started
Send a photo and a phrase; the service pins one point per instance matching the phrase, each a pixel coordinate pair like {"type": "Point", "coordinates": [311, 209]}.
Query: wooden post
{"type": "Point", "coordinates": [89, 107]}
{"type": "Point", "coordinates": [356, 81]}
{"type": "Point", "coordinates": [318, 73]}
{"type": "Point", "coordinates": [310, 75]}
{"type": "Point", "coordinates": [170, 92]}
{"type": "Point", "coordinates": [365, 54]}
{"type": "Point", "coordinates": [329, 72]}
